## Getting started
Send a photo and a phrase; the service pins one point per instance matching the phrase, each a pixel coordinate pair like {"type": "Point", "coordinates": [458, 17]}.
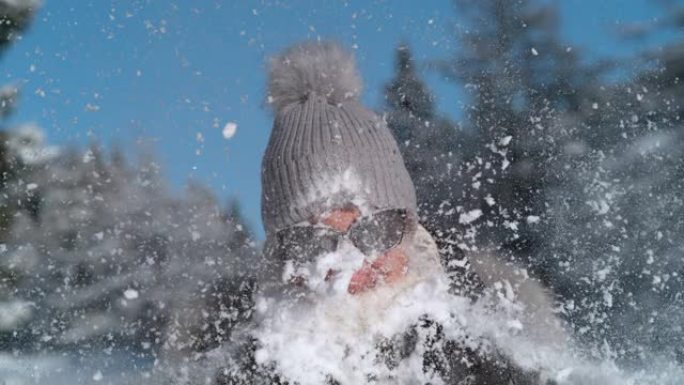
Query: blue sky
{"type": "Point", "coordinates": [170, 74]}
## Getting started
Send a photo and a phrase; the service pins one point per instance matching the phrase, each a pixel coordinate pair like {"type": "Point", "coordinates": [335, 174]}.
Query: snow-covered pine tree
{"type": "Point", "coordinates": [433, 149]}
{"type": "Point", "coordinates": [578, 176]}
{"type": "Point", "coordinates": [428, 141]}
{"type": "Point", "coordinates": [519, 76]}
{"type": "Point", "coordinates": [617, 213]}
{"type": "Point", "coordinates": [15, 17]}
{"type": "Point", "coordinates": [107, 256]}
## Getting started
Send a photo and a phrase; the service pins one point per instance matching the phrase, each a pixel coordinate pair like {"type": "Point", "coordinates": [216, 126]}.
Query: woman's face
{"type": "Point", "coordinates": [387, 268]}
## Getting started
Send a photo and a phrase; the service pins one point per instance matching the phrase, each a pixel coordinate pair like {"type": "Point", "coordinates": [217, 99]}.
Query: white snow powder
{"type": "Point", "coordinates": [229, 130]}
{"type": "Point", "coordinates": [97, 376]}
{"type": "Point", "coordinates": [505, 140]}
{"type": "Point", "coordinates": [329, 332]}
{"type": "Point", "coordinates": [470, 216]}
{"type": "Point", "coordinates": [131, 294]}
{"type": "Point", "coordinates": [532, 219]}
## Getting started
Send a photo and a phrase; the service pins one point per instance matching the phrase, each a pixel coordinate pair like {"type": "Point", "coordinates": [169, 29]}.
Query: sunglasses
{"type": "Point", "coordinates": [377, 232]}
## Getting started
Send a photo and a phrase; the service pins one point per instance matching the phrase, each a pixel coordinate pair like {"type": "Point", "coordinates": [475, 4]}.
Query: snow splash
{"type": "Point", "coordinates": [325, 333]}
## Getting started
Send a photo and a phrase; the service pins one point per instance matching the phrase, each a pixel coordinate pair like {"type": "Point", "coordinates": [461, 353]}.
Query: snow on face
{"type": "Point", "coordinates": [332, 333]}
{"type": "Point", "coordinates": [344, 262]}
{"type": "Point", "coordinates": [328, 333]}
{"type": "Point", "coordinates": [328, 188]}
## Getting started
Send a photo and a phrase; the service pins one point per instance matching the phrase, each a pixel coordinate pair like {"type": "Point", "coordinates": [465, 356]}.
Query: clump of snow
{"type": "Point", "coordinates": [89, 107]}
{"type": "Point", "coordinates": [318, 278]}
{"type": "Point", "coordinates": [532, 219]}
{"type": "Point", "coordinates": [28, 144]}
{"type": "Point", "coordinates": [506, 140]}
{"type": "Point", "coordinates": [131, 294]}
{"type": "Point", "coordinates": [327, 188]}
{"type": "Point", "coordinates": [97, 376]}
{"type": "Point", "coordinates": [13, 313]}
{"type": "Point", "coordinates": [470, 216]}
{"type": "Point", "coordinates": [229, 130]}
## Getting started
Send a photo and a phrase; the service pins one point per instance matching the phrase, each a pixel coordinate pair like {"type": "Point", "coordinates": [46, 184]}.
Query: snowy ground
{"type": "Point", "coordinates": [69, 369]}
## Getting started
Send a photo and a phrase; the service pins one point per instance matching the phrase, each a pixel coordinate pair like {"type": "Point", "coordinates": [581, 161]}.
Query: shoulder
{"type": "Point", "coordinates": [423, 253]}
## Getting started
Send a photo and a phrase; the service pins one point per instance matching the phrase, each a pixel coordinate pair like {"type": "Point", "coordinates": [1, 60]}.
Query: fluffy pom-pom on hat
{"type": "Point", "coordinates": [323, 68]}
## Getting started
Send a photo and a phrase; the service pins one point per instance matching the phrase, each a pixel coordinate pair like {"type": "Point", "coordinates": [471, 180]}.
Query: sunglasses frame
{"type": "Point", "coordinates": [328, 234]}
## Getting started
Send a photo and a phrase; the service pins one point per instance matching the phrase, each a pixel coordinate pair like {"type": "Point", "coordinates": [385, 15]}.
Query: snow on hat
{"type": "Point", "coordinates": [326, 150]}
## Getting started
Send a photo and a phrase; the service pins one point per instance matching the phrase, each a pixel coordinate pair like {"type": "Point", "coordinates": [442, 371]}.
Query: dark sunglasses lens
{"type": "Point", "coordinates": [379, 232]}
{"type": "Point", "coordinates": [304, 243]}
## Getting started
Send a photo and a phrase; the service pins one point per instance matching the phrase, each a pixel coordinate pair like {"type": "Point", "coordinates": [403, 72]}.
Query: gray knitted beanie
{"type": "Point", "coordinates": [326, 150]}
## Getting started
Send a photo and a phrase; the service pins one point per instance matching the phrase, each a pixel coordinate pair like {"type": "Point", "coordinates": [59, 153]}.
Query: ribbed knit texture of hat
{"type": "Point", "coordinates": [326, 150]}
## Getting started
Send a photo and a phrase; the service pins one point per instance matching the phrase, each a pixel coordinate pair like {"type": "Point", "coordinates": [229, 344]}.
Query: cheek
{"type": "Point", "coordinates": [363, 279]}
{"type": "Point", "coordinates": [388, 268]}
{"type": "Point", "coordinates": [392, 265]}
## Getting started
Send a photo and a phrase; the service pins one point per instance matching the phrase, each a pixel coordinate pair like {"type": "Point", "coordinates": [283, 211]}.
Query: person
{"type": "Point", "coordinates": [332, 171]}
{"type": "Point", "coordinates": [333, 178]}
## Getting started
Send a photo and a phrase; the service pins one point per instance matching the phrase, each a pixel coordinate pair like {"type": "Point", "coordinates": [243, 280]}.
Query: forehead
{"type": "Point", "coordinates": [344, 210]}
{"type": "Point", "coordinates": [339, 219]}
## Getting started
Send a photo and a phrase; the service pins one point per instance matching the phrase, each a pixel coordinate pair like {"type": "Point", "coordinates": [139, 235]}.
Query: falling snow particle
{"type": "Point", "coordinates": [608, 298]}
{"type": "Point", "coordinates": [532, 219]}
{"type": "Point", "coordinates": [229, 130]}
{"type": "Point", "coordinates": [131, 294]}
{"type": "Point", "coordinates": [534, 52]}
{"type": "Point", "coordinates": [470, 216]}
{"type": "Point", "coordinates": [92, 107]}
{"type": "Point", "coordinates": [88, 157]}
{"type": "Point", "coordinates": [97, 376]}
{"type": "Point", "coordinates": [505, 140]}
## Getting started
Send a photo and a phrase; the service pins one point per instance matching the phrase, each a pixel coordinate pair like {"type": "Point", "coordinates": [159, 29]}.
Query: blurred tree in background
{"type": "Point", "coordinates": [96, 252]}
{"type": "Point", "coordinates": [101, 254]}
{"type": "Point", "coordinates": [433, 149]}
{"type": "Point", "coordinates": [105, 254]}
{"type": "Point", "coordinates": [559, 167]}
{"type": "Point", "coordinates": [427, 141]}
{"type": "Point", "coordinates": [14, 18]}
